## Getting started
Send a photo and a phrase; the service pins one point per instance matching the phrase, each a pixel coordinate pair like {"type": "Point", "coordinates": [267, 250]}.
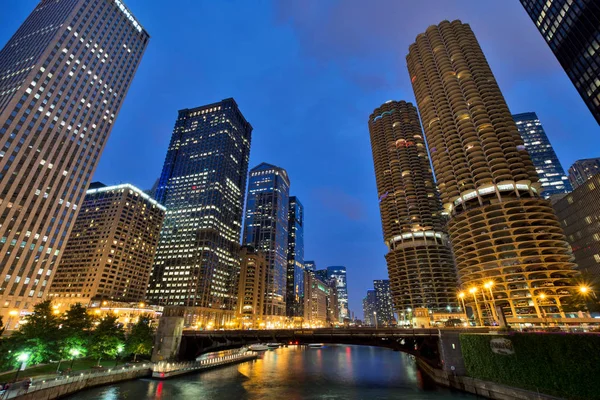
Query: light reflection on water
{"type": "Point", "coordinates": [294, 373]}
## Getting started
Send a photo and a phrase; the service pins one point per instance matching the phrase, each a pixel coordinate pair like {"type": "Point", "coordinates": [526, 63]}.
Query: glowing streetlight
{"type": "Point", "coordinates": [489, 285]}
{"type": "Point", "coordinates": [22, 358]}
{"type": "Point", "coordinates": [74, 354]}
{"type": "Point", "coordinates": [584, 289]}
{"type": "Point", "coordinates": [473, 291]}
{"type": "Point", "coordinates": [461, 296]}
{"type": "Point", "coordinates": [119, 350]}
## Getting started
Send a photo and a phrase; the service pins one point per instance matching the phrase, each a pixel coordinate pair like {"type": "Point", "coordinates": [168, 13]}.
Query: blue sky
{"type": "Point", "coordinates": [307, 74]}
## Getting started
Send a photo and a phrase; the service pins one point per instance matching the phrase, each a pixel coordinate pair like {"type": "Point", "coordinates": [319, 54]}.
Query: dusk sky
{"type": "Point", "coordinates": [307, 74]}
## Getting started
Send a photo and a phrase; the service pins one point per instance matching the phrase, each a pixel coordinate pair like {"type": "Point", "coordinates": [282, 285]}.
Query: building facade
{"type": "Point", "coordinates": [266, 228]}
{"type": "Point", "coordinates": [582, 170]}
{"type": "Point", "coordinates": [370, 308]}
{"type": "Point", "coordinates": [419, 259]}
{"type": "Point", "coordinates": [310, 266]}
{"type": "Point", "coordinates": [315, 302]}
{"type": "Point", "coordinates": [502, 232]}
{"type": "Point", "coordinates": [339, 274]}
{"type": "Point", "coordinates": [551, 173]}
{"type": "Point", "coordinates": [63, 77]}
{"type": "Point", "coordinates": [579, 215]}
{"type": "Point", "coordinates": [111, 249]}
{"type": "Point", "coordinates": [383, 303]}
{"type": "Point", "coordinates": [295, 259]}
{"type": "Point", "coordinates": [202, 186]}
{"type": "Point", "coordinates": [251, 288]}
{"type": "Point", "coordinates": [572, 30]}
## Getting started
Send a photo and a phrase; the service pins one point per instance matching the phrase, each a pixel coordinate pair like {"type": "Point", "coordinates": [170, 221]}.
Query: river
{"type": "Point", "coordinates": [294, 373]}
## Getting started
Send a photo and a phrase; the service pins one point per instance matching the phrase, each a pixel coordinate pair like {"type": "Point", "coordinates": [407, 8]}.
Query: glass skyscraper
{"type": "Point", "coordinates": [295, 259]}
{"type": "Point", "coordinates": [63, 77]}
{"type": "Point", "coordinates": [582, 170]}
{"type": "Point", "coordinates": [310, 266]}
{"type": "Point", "coordinates": [552, 175]}
{"type": "Point", "coordinates": [339, 274]}
{"type": "Point", "coordinates": [572, 30]}
{"type": "Point", "coordinates": [383, 305]}
{"type": "Point", "coordinates": [266, 228]}
{"type": "Point", "coordinates": [202, 186]}
{"type": "Point", "coordinates": [369, 308]}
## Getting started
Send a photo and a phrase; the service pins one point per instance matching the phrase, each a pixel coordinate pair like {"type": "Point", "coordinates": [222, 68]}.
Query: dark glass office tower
{"type": "Point", "coordinates": [295, 259]}
{"type": "Point", "coordinates": [266, 228]}
{"type": "Point", "coordinates": [384, 307]}
{"type": "Point", "coordinates": [572, 30]}
{"type": "Point", "coordinates": [552, 175]}
{"type": "Point", "coordinates": [339, 274]}
{"type": "Point", "coordinates": [310, 266]}
{"type": "Point", "coordinates": [582, 170]}
{"type": "Point", "coordinates": [202, 186]}
{"type": "Point", "coordinates": [369, 308]}
{"type": "Point", "coordinates": [63, 78]}
{"type": "Point", "coordinates": [419, 260]}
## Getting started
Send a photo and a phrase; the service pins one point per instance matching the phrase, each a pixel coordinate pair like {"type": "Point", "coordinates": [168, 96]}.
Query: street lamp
{"type": "Point", "coordinates": [473, 291]}
{"type": "Point", "coordinates": [22, 358]}
{"type": "Point", "coordinates": [119, 350]}
{"type": "Point", "coordinates": [375, 316]}
{"type": "Point", "coordinates": [488, 285]}
{"type": "Point", "coordinates": [74, 353]}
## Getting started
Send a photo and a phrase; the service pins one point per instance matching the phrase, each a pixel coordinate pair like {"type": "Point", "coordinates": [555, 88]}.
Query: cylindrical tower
{"type": "Point", "coordinates": [420, 265]}
{"type": "Point", "coordinates": [510, 249]}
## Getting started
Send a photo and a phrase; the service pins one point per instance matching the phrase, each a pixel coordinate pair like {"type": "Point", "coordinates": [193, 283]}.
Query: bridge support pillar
{"type": "Point", "coordinates": [168, 334]}
{"type": "Point", "coordinates": [451, 353]}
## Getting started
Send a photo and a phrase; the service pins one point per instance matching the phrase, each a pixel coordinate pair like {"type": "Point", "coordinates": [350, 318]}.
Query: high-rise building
{"type": "Point", "coordinates": [383, 302]}
{"type": "Point", "coordinates": [333, 304]}
{"type": "Point", "coordinates": [322, 274]}
{"type": "Point", "coordinates": [579, 215]}
{"type": "Point", "coordinates": [551, 173]}
{"type": "Point", "coordinates": [572, 30]}
{"type": "Point", "coordinates": [310, 266]}
{"type": "Point", "coordinates": [251, 288]}
{"type": "Point", "coordinates": [295, 259]}
{"type": "Point", "coordinates": [339, 274]}
{"type": "Point", "coordinates": [266, 228]}
{"type": "Point", "coordinates": [315, 301]}
{"type": "Point", "coordinates": [419, 259]}
{"type": "Point", "coordinates": [370, 308]}
{"type": "Point", "coordinates": [63, 77]}
{"type": "Point", "coordinates": [202, 185]}
{"type": "Point", "coordinates": [582, 170]}
{"type": "Point", "coordinates": [111, 249]}
{"type": "Point", "coordinates": [502, 231]}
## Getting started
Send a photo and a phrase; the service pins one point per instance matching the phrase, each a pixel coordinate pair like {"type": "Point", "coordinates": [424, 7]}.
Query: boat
{"type": "Point", "coordinates": [258, 347]}
{"type": "Point", "coordinates": [316, 345]}
{"type": "Point", "coordinates": [273, 345]}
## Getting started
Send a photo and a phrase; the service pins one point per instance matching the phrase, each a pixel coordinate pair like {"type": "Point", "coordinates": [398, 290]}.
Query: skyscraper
{"type": "Point", "coordinates": [501, 230]}
{"type": "Point", "coordinates": [582, 170]}
{"type": "Point", "coordinates": [384, 307]}
{"type": "Point", "coordinates": [315, 303]}
{"type": "Point", "coordinates": [339, 274]}
{"type": "Point", "coordinates": [295, 259]}
{"type": "Point", "coordinates": [572, 30]}
{"type": "Point", "coordinates": [111, 249]}
{"type": "Point", "coordinates": [63, 78]}
{"type": "Point", "coordinates": [251, 287]}
{"type": "Point", "coordinates": [310, 266]}
{"type": "Point", "coordinates": [322, 274]}
{"type": "Point", "coordinates": [419, 259]}
{"type": "Point", "coordinates": [202, 185]}
{"type": "Point", "coordinates": [266, 228]}
{"type": "Point", "coordinates": [370, 308]}
{"type": "Point", "coordinates": [551, 173]}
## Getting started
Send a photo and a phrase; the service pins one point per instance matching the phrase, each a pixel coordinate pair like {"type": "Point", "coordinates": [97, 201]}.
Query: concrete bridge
{"type": "Point", "coordinates": [440, 348]}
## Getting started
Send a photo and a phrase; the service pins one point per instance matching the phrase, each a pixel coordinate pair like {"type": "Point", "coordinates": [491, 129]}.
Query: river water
{"type": "Point", "coordinates": [295, 373]}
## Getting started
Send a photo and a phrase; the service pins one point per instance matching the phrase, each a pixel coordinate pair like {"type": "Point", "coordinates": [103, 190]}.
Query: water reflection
{"type": "Point", "coordinates": [294, 373]}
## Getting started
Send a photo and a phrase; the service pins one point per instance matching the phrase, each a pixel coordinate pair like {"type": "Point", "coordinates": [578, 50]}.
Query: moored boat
{"type": "Point", "coordinates": [258, 347]}
{"type": "Point", "coordinates": [316, 345]}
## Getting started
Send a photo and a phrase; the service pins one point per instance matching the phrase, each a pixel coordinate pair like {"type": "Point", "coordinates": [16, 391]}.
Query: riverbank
{"type": "Point", "coordinates": [478, 387]}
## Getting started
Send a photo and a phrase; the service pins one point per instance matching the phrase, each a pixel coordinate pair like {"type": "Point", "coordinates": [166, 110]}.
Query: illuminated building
{"type": "Point", "coordinates": [202, 186]}
{"type": "Point", "coordinates": [251, 291]}
{"type": "Point", "coordinates": [322, 275]}
{"type": "Point", "coordinates": [501, 230]}
{"type": "Point", "coordinates": [572, 30]}
{"type": "Point", "coordinates": [295, 259]}
{"type": "Point", "coordinates": [266, 228]}
{"type": "Point", "coordinates": [370, 308]}
{"type": "Point", "coordinates": [419, 259]}
{"type": "Point", "coordinates": [315, 302]}
{"type": "Point", "coordinates": [582, 170]}
{"type": "Point", "coordinates": [551, 173]}
{"type": "Point", "coordinates": [310, 266]}
{"type": "Point", "coordinates": [333, 304]}
{"type": "Point", "coordinates": [339, 274]}
{"type": "Point", "coordinates": [579, 215]}
{"type": "Point", "coordinates": [111, 249]}
{"type": "Point", "coordinates": [63, 77]}
{"type": "Point", "coordinates": [383, 302]}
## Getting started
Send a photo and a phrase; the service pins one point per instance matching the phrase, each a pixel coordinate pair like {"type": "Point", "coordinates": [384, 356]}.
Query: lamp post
{"type": "Point", "coordinates": [74, 353]}
{"type": "Point", "coordinates": [119, 350]}
{"type": "Point", "coordinates": [473, 291]}
{"type": "Point", "coordinates": [375, 316]}
{"type": "Point", "coordinates": [22, 358]}
{"type": "Point", "coordinates": [488, 285]}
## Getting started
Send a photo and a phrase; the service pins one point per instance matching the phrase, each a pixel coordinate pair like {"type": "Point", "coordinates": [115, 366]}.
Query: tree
{"type": "Point", "coordinates": [107, 339]}
{"type": "Point", "coordinates": [141, 338]}
{"type": "Point", "coordinates": [38, 336]}
{"type": "Point", "coordinates": [1, 326]}
{"type": "Point", "coordinates": [75, 333]}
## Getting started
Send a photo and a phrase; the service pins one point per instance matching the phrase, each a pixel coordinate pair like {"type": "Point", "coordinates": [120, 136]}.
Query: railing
{"type": "Point", "coordinates": [164, 368]}
{"type": "Point", "coordinates": [42, 384]}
